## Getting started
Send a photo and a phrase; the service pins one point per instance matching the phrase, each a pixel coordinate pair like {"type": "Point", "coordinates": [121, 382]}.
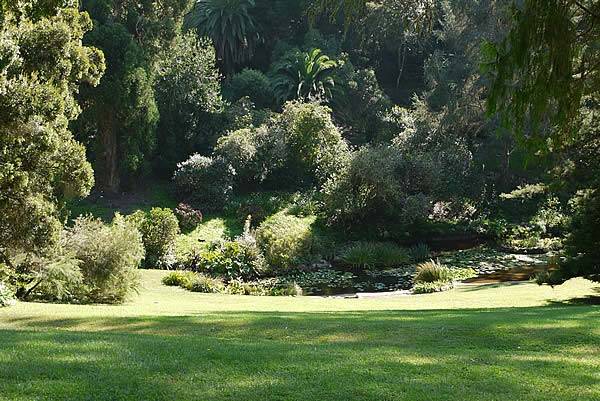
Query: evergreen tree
{"type": "Point", "coordinates": [42, 64]}
{"type": "Point", "coordinates": [121, 115]}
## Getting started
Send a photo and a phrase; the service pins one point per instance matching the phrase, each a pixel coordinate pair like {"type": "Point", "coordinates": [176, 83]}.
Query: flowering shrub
{"type": "Point", "coordinates": [188, 217]}
{"type": "Point", "coordinates": [204, 182]}
{"type": "Point", "coordinates": [7, 296]}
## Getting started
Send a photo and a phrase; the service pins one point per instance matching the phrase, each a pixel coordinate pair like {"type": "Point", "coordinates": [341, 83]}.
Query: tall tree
{"type": "Point", "coordinates": [547, 64]}
{"type": "Point", "coordinates": [188, 93]}
{"type": "Point", "coordinates": [42, 64]}
{"type": "Point", "coordinates": [121, 115]}
{"type": "Point", "coordinates": [231, 26]}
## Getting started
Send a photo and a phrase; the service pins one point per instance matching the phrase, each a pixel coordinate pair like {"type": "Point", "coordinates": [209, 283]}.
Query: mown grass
{"type": "Point", "coordinates": [499, 342]}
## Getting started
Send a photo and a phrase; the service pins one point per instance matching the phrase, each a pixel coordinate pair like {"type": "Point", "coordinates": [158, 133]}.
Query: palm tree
{"type": "Point", "coordinates": [301, 75]}
{"type": "Point", "coordinates": [231, 27]}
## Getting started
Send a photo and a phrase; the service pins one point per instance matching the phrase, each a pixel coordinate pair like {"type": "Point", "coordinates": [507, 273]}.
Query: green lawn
{"type": "Point", "coordinates": [507, 342]}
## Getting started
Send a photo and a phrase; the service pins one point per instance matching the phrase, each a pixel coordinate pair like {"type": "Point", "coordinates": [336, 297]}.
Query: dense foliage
{"type": "Point", "coordinates": [381, 187]}
{"type": "Point", "coordinates": [159, 229]}
{"type": "Point", "coordinates": [285, 239]}
{"type": "Point", "coordinates": [42, 65]}
{"type": "Point", "coordinates": [121, 115]}
{"type": "Point", "coordinates": [108, 256]}
{"type": "Point", "coordinates": [351, 139]}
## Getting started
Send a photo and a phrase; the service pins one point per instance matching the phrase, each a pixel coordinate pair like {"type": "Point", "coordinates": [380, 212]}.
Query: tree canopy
{"type": "Point", "coordinates": [42, 65]}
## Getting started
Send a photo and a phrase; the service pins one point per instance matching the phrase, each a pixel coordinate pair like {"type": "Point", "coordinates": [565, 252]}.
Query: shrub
{"type": "Point", "coordinates": [463, 274]}
{"type": "Point", "coordinates": [188, 217]}
{"type": "Point", "coordinates": [159, 229]}
{"type": "Point", "coordinates": [7, 295]}
{"type": "Point", "coordinates": [251, 83]}
{"type": "Point", "coordinates": [205, 284]}
{"type": "Point", "coordinates": [419, 253]}
{"type": "Point", "coordinates": [238, 150]}
{"type": "Point", "coordinates": [272, 156]}
{"type": "Point", "coordinates": [380, 188]}
{"type": "Point", "coordinates": [266, 287]}
{"type": "Point", "coordinates": [285, 240]}
{"type": "Point", "coordinates": [315, 146]}
{"type": "Point", "coordinates": [204, 182]}
{"type": "Point", "coordinates": [179, 278]}
{"type": "Point", "coordinates": [432, 271]}
{"type": "Point", "coordinates": [57, 278]}
{"type": "Point", "coordinates": [583, 243]}
{"type": "Point", "coordinates": [427, 288]}
{"type": "Point", "coordinates": [109, 256]}
{"type": "Point", "coordinates": [374, 255]}
{"type": "Point", "coordinates": [239, 259]}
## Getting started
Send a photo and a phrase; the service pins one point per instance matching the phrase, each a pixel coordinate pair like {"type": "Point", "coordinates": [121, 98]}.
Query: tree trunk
{"type": "Point", "coordinates": [109, 178]}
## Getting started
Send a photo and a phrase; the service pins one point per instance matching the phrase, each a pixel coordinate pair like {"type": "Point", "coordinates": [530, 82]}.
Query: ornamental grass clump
{"type": "Point", "coordinates": [374, 256]}
{"type": "Point", "coordinates": [432, 271]}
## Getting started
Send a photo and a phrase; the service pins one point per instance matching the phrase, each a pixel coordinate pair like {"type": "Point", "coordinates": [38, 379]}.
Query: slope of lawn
{"type": "Point", "coordinates": [503, 342]}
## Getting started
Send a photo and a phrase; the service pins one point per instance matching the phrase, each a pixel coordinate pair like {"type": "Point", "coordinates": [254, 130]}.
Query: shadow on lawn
{"type": "Point", "coordinates": [586, 300]}
{"type": "Point", "coordinates": [393, 355]}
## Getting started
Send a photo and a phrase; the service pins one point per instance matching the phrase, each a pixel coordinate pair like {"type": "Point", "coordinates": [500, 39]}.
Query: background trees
{"type": "Point", "coordinates": [545, 82]}
{"type": "Point", "coordinates": [232, 27]}
{"type": "Point", "coordinates": [121, 115]}
{"type": "Point", "coordinates": [188, 96]}
{"type": "Point", "coordinates": [374, 111]}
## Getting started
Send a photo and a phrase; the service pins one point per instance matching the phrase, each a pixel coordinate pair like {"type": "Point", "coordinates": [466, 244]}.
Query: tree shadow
{"type": "Point", "coordinates": [477, 354]}
{"type": "Point", "coordinates": [585, 300]}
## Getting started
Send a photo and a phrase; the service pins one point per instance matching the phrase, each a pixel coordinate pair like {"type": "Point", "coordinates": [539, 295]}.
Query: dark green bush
{"type": "Point", "coordinates": [286, 240]}
{"type": "Point", "coordinates": [253, 84]}
{"type": "Point", "coordinates": [582, 246]}
{"type": "Point", "coordinates": [374, 255]}
{"type": "Point", "coordinates": [159, 229]}
{"type": "Point", "coordinates": [381, 189]}
{"type": "Point", "coordinates": [239, 259]}
{"type": "Point", "coordinates": [419, 253]}
{"type": "Point", "coordinates": [315, 146]}
{"type": "Point", "coordinates": [204, 182]}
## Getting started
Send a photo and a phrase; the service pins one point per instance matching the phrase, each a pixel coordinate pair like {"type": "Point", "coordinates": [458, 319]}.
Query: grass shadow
{"type": "Point", "coordinates": [385, 355]}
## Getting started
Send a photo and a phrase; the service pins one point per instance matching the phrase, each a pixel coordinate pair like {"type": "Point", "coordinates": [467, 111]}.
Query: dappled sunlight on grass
{"type": "Point", "coordinates": [175, 345]}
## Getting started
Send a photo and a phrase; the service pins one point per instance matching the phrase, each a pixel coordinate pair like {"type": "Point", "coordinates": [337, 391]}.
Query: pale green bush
{"type": "Point", "coordinates": [436, 286]}
{"type": "Point", "coordinates": [159, 229]}
{"type": "Point", "coordinates": [432, 271]}
{"type": "Point", "coordinates": [205, 284]}
{"type": "Point", "coordinates": [205, 183]}
{"type": "Point", "coordinates": [238, 150]}
{"type": "Point", "coordinates": [7, 295]}
{"type": "Point", "coordinates": [285, 240]}
{"type": "Point", "coordinates": [109, 256]}
{"type": "Point", "coordinates": [179, 278]}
